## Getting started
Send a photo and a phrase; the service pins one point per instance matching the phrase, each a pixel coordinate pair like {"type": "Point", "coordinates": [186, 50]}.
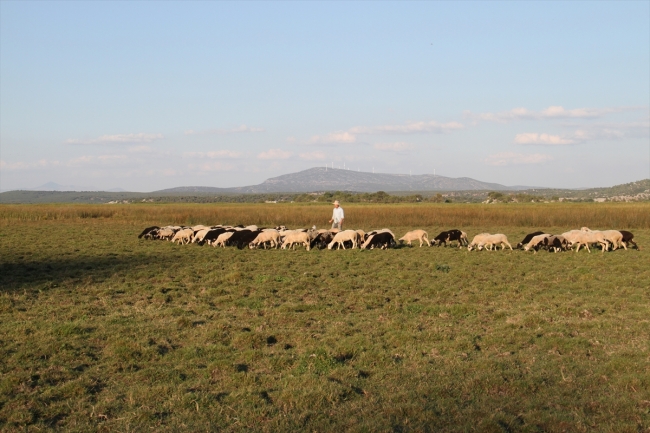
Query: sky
{"type": "Point", "coordinates": [151, 95]}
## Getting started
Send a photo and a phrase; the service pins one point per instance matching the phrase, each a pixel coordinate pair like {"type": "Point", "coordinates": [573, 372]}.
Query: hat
{"type": "Point", "coordinates": [336, 202]}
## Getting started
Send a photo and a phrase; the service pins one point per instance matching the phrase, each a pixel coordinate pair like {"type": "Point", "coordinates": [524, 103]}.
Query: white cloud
{"type": "Point", "coordinates": [140, 149]}
{"type": "Point", "coordinates": [118, 139]}
{"type": "Point", "coordinates": [511, 158]}
{"type": "Point", "coordinates": [543, 139]}
{"type": "Point", "coordinates": [334, 137]}
{"type": "Point", "coordinates": [409, 128]}
{"type": "Point", "coordinates": [552, 112]}
{"type": "Point", "coordinates": [350, 136]}
{"type": "Point", "coordinates": [95, 160]}
{"type": "Point", "coordinates": [394, 147]}
{"type": "Point", "coordinates": [275, 154]}
{"type": "Point", "coordinates": [19, 165]}
{"type": "Point", "coordinates": [313, 156]}
{"type": "Point", "coordinates": [211, 166]}
{"type": "Point", "coordinates": [237, 130]}
{"type": "Point", "coordinates": [215, 154]}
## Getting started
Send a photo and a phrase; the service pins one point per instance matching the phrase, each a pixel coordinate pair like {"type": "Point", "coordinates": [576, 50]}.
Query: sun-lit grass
{"type": "Point", "coordinates": [610, 215]}
{"type": "Point", "coordinates": [100, 331]}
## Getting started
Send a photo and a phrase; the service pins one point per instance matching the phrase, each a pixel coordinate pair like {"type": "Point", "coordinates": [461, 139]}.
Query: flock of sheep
{"type": "Point", "coordinates": [281, 237]}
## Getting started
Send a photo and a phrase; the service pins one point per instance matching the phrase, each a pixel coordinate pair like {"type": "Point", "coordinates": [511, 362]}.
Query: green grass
{"type": "Point", "coordinates": [100, 331]}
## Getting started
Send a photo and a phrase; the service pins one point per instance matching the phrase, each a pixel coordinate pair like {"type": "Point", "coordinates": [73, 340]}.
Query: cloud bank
{"type": "Point", "coordinates": [511, 158]}
{"type": "Point", "coordinates": [118, 139]}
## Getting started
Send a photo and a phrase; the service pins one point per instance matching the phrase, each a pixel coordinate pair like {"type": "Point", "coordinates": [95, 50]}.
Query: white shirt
{"type": "Point", "coordinates": [337, 215]}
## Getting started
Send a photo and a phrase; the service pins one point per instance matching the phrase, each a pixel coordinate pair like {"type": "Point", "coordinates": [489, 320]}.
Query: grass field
{"type": "Point", "coordinates": [101, 331]}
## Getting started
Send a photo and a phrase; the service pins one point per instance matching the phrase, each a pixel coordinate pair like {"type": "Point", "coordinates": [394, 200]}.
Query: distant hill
{"type": "Point", "coordinates": [53, 186]}
{"type": "Point", "coordinates": [333, 179]}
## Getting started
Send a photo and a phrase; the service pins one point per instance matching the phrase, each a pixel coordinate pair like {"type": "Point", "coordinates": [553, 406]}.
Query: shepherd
{"type": "Point", "coordinates": [337, 216]}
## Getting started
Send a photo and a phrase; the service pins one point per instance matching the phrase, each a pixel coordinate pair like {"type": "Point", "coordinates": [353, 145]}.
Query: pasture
{"type": "Point", "coordinates": [101, 331]}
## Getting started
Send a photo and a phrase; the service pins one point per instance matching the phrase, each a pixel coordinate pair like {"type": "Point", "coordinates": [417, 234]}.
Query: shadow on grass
{"type": "Point", "coordinates": [50, 274]}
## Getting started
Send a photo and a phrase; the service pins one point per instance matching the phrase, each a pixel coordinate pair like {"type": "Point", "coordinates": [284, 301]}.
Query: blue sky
{"type": "Point", "coordinates": [151, 95]}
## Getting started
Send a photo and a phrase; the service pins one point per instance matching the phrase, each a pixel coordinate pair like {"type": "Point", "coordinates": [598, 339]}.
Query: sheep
{"type": "Point", "coordinates": [296, 238]}
{"type": "Point", "coordinates": [494, 241]}
{"type": "Point", "coordinates": [222, 239]}
{"type": "Point", "coordinates": [628, 239]}
{"type": "Point", "coordinates": [341, 237]}
{"type": "Point", "coordinates": [611, 236]}
{"type": "Point", "coordinates": [212, 236]}
{"type": "Point", "coordinates": [581, 237]}
{"type": "Point", "coordinates": [200, 235]}
{"type": "Point", "coordinates": [478, 239]}
{"type": "Point", "coordinates": [272, 237]}
{"type": "Point", "coordinates": [487, 241]}
{"type": "Point", "coordinates": [527, 239]}
{"type": "Point", "coordinates": [166, 233]}
{"type": "Point", "coordinates": [450, 235]}
{"type": "Point", "coordinates": [555, 243]}
{"type": "Point", "coordinates": [242, 238]}
{"type": "Point", "coordinates": [322, 239]}
{"type": "Point", "coordinates": [382, 240]}
{"type": "Point", "coordinates": [615, 238]}
{"type": "Point", "coordinates": [536, 242]}
{"type": "Point", "coordinates": [415, 235]}
{"type": "Point", "coordinates": [148, 230]}
{"type": "Point", "coordinates": [183, 236]}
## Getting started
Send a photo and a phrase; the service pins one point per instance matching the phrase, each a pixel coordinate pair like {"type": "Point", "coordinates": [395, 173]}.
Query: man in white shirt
{"type": "Point", "coordinates": [337, 216]}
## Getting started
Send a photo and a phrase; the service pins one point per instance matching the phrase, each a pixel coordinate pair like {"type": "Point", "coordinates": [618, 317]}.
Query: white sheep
{"type": "Point", "coordinates": [271, 236]}
{"type": "Point", "coordinates": [222, 239]}
{"type": "Point", "coordinates": [582, 237]}
{"type": "Point", "coordinates": [477, 240]}
{"type": "Point", "coordinates": [183, 236]}
{"type": "Point", "coordinates": [535, 241]}
{"type": "Point", "coordinates": [344, 236]}
{"type": "Point", "coordinates": [415, 235]}
{"type": "Point", "coordinates": [296, 238]}
{"type": "Point", "coordinates": [198, 237]}
{"type": "Point", "coordinates": [496, 240]}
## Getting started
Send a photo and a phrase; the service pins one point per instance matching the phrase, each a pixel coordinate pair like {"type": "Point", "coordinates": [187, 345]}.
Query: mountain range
{"type": "Point", "coordinates": [333, 179]}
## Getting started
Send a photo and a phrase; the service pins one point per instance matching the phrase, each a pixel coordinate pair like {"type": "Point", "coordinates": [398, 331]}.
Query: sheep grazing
{"type": "Point", "coordinates": [212, 236]}
{"type": "Point", "coordinates": [494, 241]}
{"type": "Point", "coordinates": [449, 236]}
{"type": "Point", "coordinates": [614, 237]}
{"type": "Point", "coordinates": [272, 237]}
{"type": "Point", "coordinates": [147, 231]}
{"type": "Point", "coordinates": [166, 233]}
{"type": "Point", "coordinates": [321, 239]}
{"type": "Point", "coordinates": [476, 241]}
{"type": "Point", "coordinates": [536, 242]}
{"type": "Point", "coordinates": [222, 239]}
{"type": "Point", "coordinates": [296, 238]}
{"type": "Point", "coordinates": [344, 236]}
{"type": "Point", "coordinates": [527, 239]}
{"type": "Point", "coordinates": [183, 236]}
{"type": "Point", "coordinates": [555, 243]}
{"type": "Point", "coordinates": [582, 237]}
{"type": "Point", "coordinates": [415, 235]}
{"type": "Point", "coordinates": [242, 238]}
{"type": "Point", "coordinates": [200, 235]}
{"type": "Point", "coordinates": [628, 239]}
{"type": "Point", "coordinates": [381, 240]}
{"type": "Point", "coordinates": [487, 241]}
